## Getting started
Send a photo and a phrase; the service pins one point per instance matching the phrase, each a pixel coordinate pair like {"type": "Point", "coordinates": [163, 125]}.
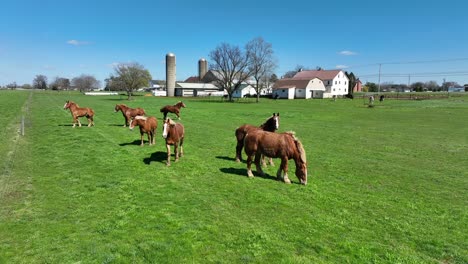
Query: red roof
{"type": "Point", "coordinates": [322, 74]}
{"type": "Point", "coordinates": [290, 83]}
{"type": "Point", "coordinates": [192, 79]}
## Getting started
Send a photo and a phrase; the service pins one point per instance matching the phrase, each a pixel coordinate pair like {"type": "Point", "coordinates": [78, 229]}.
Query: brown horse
{"type": "Point", "coordinates": [276, 145]}
{"type": "Point", "coordinates": [173, 109]}
{"type": "Point", "coordinates": [147, 125]}
{"type": "Point", "coordinates": [271, 124]}
{"type": "Point", "coordinates": [77, 111]}
{"type": "Point", "coordinates": [129, 113]}
{"type": "Point", "coordinates": [174, 134]}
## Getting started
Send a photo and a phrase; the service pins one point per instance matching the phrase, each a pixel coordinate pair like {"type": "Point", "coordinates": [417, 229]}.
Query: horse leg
{"type": "Point", "coordinates": [249, 166]}
{"type": "Point", "coordinates": [168, 161]}
{"type": "Point", "coordinates": [258, 156]}
{"type": "Point", "coordinates": [271, 162]}
{"type": "Point", "coordinates": [176, 151]}
{"type": "Point", "coordinates": [78, 120]}
{"type": "Point", "coordinates": [283, 167]}
{"type": "Point", "coordinates": [240, 145]}
{"type": "Point", "coordinates": [142, 141]}
{"type": "Point", "coordinates": [153, 140]}
{"type": "Point", "coordinates": [181, 152]}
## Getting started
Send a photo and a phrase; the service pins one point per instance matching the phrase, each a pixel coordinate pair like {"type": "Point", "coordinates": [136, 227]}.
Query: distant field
{"type": "Point", "coordinates": [387, 184]}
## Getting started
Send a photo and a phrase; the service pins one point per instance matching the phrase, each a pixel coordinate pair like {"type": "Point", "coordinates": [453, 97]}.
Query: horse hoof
{"type": "Point", "coordinates": [168, 164]}
{"type": "Point", "coordinates": [287, 181]}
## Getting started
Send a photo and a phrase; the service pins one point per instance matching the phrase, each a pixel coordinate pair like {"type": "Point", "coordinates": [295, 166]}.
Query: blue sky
{"type": "Point", "coordinates": [425, 40]}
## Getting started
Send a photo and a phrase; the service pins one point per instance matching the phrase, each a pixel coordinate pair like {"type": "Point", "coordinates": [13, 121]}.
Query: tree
{"type": "Point", "coordinates": [417, 86]}
{"type": "Point", "coordinates": [262, 62]}
{"type": "Point", "coordinates": [290, 74]}
{"type": "Point", "coordinates": [27, 86]}
{"type": "Point", "coordinates": [85, 82]}
{"type": "Point", "coordinates": [12, 85]}
{"type": "Point", "coordinates": [130, 76]}
{"type": "Point", "coordinates": [371, 87]}
{"type": "Point", "coordinates": [60, 84]}
{"type": "Point", "coordinates": [40, 82]}
{"type": "Point", "coordinates": [432, 86]}
{"type": "Point", "coordinates": [231, 67]}
{"type": "Point", "coordinates": [352, 82]}
{"type": "Point", "coordinates": [273, 78]}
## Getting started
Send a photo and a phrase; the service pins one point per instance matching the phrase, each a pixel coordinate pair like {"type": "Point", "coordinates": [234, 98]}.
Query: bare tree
{"type": "Point", "coordinates": [60, 84]}
{"type": "Point", "coordinates": [131, 76]}
{"type": "Point", "coordinates": [290, 74]}
{"type": "Point", "coordinates": [40, 82]}
{"type": "Point", "coordinates": [231, 67]}
{"type": "Point", "coordinates": [262, 63]}
{"type": "Point", "coordinates": [85, 82]}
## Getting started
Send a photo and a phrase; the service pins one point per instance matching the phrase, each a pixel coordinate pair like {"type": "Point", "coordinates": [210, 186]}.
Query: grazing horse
{"type": "Point", "coordinates": [77, 111]}
{"type": "Point", "coordinates": [147, 125]}
{"type": "Point", "coordinates": [173, 109]}
{"type": "Point", "coordinates": [276, 145]}
{"type": "Point", "coordinates": [174, 134]}
{"type": "Point", "coordinates": [129, 113]}
{"type": "Point", "coordinates": [271, 125]}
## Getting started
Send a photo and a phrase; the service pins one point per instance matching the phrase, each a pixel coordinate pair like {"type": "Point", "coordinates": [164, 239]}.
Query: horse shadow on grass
{"type": "Point", "coordinates": [135, 142]}
{"type": "Point", "coordinates": [158, 156]}
{"type": "Point", "coordinates": [243, 173]}
{"type": "Point", "coordinates": [226, 158]}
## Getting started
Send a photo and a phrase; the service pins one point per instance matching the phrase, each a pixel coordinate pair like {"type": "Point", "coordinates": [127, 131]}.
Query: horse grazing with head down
{"type": "Point", "coordinates": [147, 125]}
{"type": "Point", "coordinates": [129, 113]}
{"type": "Point", "coordinates": [174, 134]}
{"type": "Point", "coordinates": [276, 145]}
{"type": "Point", "coordinates": [77, 112]}
{"type": "Point", "coordinates": [173, 109]}
{"type": "Point", "coordinates": [271, 125]}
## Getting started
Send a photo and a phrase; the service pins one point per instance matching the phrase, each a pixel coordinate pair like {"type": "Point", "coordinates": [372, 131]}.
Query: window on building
{"type": "Point", "coordinates": [336, 82]}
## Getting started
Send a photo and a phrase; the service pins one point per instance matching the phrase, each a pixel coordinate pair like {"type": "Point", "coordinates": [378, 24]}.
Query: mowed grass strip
{"type": "Point", "coordinates": [387, 184]}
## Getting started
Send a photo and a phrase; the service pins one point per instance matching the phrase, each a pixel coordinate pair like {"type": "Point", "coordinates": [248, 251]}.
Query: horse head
{"type": "Point", "coordinates": [168, 123]}
{"type": "Point", "coordinates": [67, 104]}
{"type": "Point", "coordinates": [180, 104]}
{"type": "Point", "coordinates": [134, 121]}
{"type": "Point", "coordinates": [272, 123]}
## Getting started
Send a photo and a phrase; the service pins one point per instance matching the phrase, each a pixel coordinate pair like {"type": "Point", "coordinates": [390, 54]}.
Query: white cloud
{"type": "Point", "coordinates": [347, 53]}
{"type": "Point", "coordinates": [342, 66]}
{"type": "Point", "coordinates": [49, 68]}
{"type": "Point", "coordinates": [77, 42]}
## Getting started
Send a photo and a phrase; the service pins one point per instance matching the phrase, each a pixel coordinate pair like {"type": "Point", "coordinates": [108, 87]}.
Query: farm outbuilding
{"type": "Point", "coordinates": [197, 89]}
{"type": "Point", "coordinates": [305, 89]}
{"type": "Point", "coordinates": [335, 81]}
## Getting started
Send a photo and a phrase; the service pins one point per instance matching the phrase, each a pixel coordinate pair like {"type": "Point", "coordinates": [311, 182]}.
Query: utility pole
{"type": "Point", "coordinates": [380, 66]}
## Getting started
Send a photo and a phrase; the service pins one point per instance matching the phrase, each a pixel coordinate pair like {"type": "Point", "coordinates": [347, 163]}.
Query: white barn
{"type": "Point", "coordinates": [292, 88]}
{"type": "Point", "coordinates": [244, 90]}
{"type": "Point", "coordinates": [335, 81]}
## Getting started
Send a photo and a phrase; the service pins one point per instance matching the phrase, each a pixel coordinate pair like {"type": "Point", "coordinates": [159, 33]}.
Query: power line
{"type": "Point", "coordinates": [409, 62]}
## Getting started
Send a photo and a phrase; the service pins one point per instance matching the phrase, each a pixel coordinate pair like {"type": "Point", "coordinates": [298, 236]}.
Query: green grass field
{"type": "Point", "coordinates": [387, 184]}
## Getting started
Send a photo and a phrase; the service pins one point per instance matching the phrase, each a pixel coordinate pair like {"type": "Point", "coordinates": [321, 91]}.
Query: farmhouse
{"type": "Point", "coordinates": [335, 81]}
{"type": "Point", "coordinates": [291, 88]}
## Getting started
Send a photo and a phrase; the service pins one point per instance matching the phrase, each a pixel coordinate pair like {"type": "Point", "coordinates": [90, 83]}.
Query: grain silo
{"type": "Point", "coordinates": [202, 68]}
{"type": "Point", "coordinates": [170, 74]}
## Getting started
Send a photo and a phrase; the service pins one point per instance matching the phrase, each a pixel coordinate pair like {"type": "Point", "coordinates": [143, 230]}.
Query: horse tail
{"type": "Point", "coordinates": [89, 112]}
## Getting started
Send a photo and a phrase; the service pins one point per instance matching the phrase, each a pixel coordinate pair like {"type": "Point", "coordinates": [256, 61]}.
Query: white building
{"type": "Point", "coordinates": [244, 90]}
{"type": "Point", "coordinates": [335, 81]}
{"type": "Point", "coordinates": [298, 88]}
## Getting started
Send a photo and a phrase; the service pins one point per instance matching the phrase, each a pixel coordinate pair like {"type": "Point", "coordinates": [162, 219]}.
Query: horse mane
{"type": "Point", "coordinates": [171, 122]}
{"type": "Point", "coordinates": [300, 147]}
{"type": "Point", "coordinates": [301, 150]}
{"type": "Point", "coordinates": [140, 117]}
